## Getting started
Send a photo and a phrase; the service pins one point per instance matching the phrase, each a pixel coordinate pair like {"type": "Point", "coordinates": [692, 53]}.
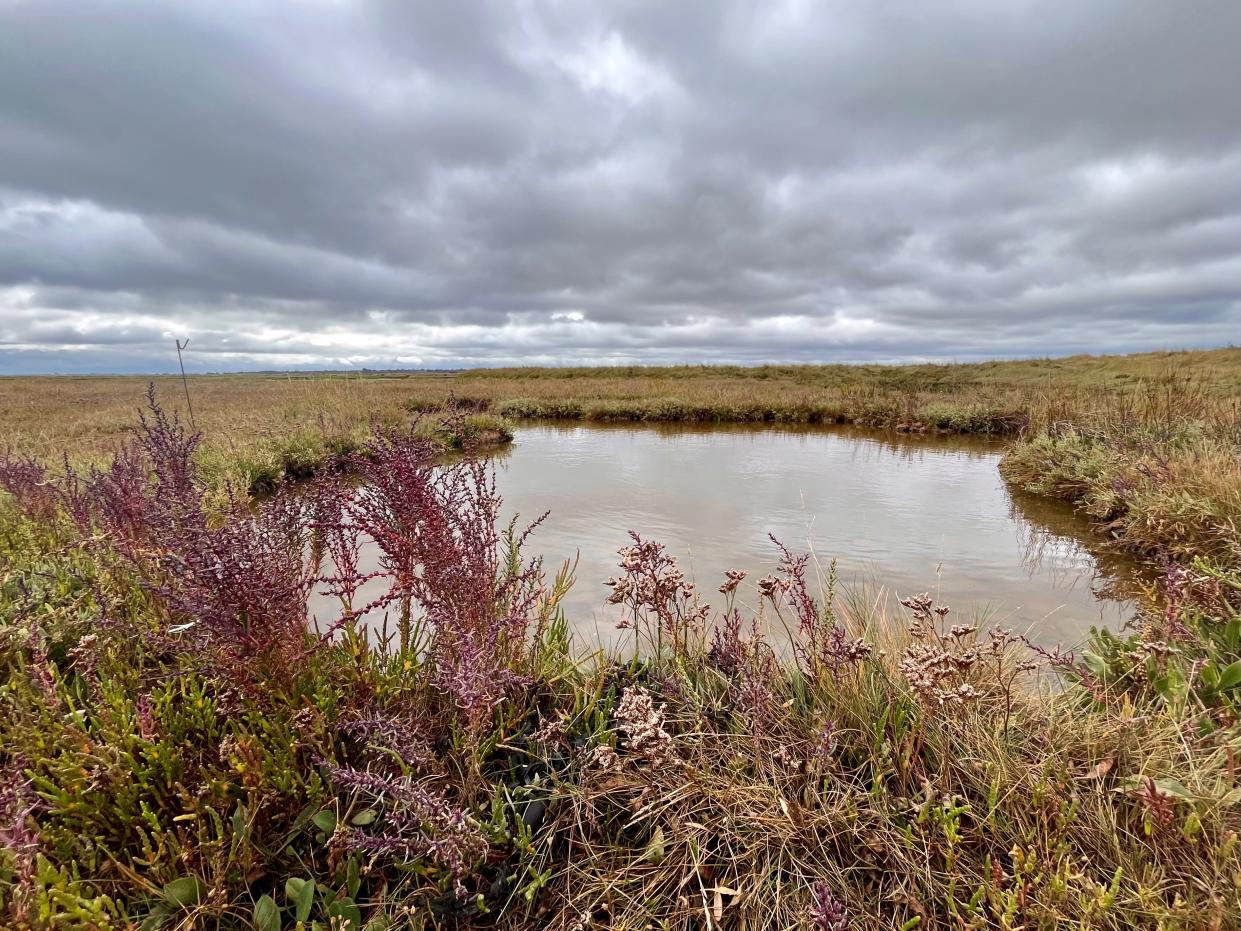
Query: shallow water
{"type": "Point", "coordinates": [910, 514]}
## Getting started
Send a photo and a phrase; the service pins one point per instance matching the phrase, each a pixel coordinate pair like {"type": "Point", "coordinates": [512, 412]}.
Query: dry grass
{"type": "Point", "coordinates": [1146, 444]}
{"type": "Point", "coordinates": [257, 429]}
{"type": "Point", "coordinates": [87, 416]}
{"type": "Point", "coordinates": [942, 823]}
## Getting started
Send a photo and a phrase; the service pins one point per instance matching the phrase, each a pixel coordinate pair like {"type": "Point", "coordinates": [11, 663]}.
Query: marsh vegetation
{"type": "Point", "coordinates": [179, 748]}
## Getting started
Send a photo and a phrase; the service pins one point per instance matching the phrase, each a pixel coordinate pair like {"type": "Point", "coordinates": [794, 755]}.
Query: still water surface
{"type": "Point", "coordinates": [910, 514]}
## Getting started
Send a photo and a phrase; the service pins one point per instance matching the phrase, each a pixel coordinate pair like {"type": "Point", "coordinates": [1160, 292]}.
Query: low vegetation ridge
{"type": "Point", "coordinates": [1145, 444]}
{"type": "Point", "coordinates": [179, 750]}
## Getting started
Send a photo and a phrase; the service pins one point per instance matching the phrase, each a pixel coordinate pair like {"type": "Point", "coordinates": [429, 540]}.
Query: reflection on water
{"type": "Point", "coordinates": [1056, 538]}
{"type": "Point", "coordinates": [911, 513]}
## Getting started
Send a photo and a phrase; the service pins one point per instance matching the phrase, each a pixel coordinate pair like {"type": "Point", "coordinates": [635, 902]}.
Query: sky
{"type": "Point", "coordinates": [339, 184]}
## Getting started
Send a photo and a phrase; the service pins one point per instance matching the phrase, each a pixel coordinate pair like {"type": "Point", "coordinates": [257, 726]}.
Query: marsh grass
{"type": "Point", "coordinates": [90, 416]}
{"type": "Point", "coordinates": [1157, 468]}
{"type": "Point", "coordinates": [1147, 445]}
{"type": "Point", "coordinates": [175, 754]}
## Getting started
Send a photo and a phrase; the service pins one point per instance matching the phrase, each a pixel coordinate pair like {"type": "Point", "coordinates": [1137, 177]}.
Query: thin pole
{"type": "Point", "coordinates": [185, 383]}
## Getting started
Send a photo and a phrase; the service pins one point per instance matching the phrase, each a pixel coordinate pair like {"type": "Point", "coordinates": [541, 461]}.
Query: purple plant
{"type": "Point", "coordinates": [235, 581]}
{"type": "Point", "coordinates": [18, 804]}
{"type": "Point", "coordinates": [148, 729]}
{"type": "Point", "coordinates": [417, 823]}
{"type": "Point", "coordinates": [1186, 592]}
{"type": "Point", "coordinates": [750, 664]}
{"type": "Point", "coordinates": [753, 692]}
{"type": "Point", "coordinates": [822, 642]}
{"type": "Point", "coordinates": [825, 747]}
{"type": "Point", "coordinates": [383, 734]}
{"type": "Point", "coordinates": [1159, 806]}
{"type": "Point", "coordinates": [235, 578]}
{"type": "Point", "coordinates": [827, 913]}
{"type": "Point", "coordinates": [40, 668]}
{"type": "Point", "coordinates": [29, 484]}
{"type": "Point", "coordinates": [441, 549]}
{"type": "Point", "coordinates": [338, 543]}
{"type": "Point", "coordinates": [727, 646]}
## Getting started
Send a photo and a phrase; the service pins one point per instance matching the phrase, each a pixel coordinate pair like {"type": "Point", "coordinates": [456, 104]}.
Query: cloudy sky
{"type": "Point", "coordinates": [335, 183]}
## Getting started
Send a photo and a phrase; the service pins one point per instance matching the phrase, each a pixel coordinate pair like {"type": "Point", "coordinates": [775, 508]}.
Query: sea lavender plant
{"type": "Point", "coordinates": [825, 747]}
{"type": "Point", "coordinates": [417, 823]}
{"type": "Point", "coordinates": [949, 666]}
{"type": "Point", "coordinates": [751, 667]}
{"type": "Point", "coordinates": [441, 549]}
{"type": "Point", "coordinates": [822, 643]}
{"type": "Point", "coordinates": [235, 583]}
{"type": "Point", "coordinates": [727, 645]}
{"type": "Point", "coordinates": [643, 726]}
{"type": "Point", "coordinates": [827, 913]}
{"type": "Point", "coordinates": [658, 602]}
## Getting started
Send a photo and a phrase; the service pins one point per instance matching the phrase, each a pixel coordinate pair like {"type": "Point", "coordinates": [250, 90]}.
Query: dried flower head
{"type": "Point", "coordinates": [659, 603]}
{"type": "Point", "coordinates": [643, 726]}
{"type": "Point", "coordinates": [602, 757]}
{"type": "Point", "coordinates": [772, 587]}
{"type": "Point", "coordinates": [732, 578]}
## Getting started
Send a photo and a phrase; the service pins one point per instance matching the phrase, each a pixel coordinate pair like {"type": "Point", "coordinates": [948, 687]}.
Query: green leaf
{"type": "Point", "coordinates": [353, 878]}
{"type": "Point", "coordinates": [1209, 676]}
{"type": "Point", "coordinates": [1193, 825]}
{"type": "Point", "coordinates": [156, 919]}
{"type": "Point", "coordinates": [655, 849]}
{"type": "Point", "coordinates": [301, 893]}
{"type": "Point", "coordinates": [266, 914]}
{"type": "Point", "coordinates": [186, 891]}
{"type": "Point", "coordinates": [1173, 787]}
{"type": "Point", "coordinates": [1232, 634]}
{"type": "Point", "coordinates": [325, 821]}
{"type": "Point", "coordinates": [239, 823]}
{"type": "Point", "coordinates": [1230, 676]}
{"type": "Point", "coordinates": [1095, 663]}
{"type": "Point", "coordinates": [345, 908]}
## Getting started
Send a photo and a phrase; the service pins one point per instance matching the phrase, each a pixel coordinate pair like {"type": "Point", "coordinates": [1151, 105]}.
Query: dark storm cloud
{"type": "Point", "coordinates": [349, 183]}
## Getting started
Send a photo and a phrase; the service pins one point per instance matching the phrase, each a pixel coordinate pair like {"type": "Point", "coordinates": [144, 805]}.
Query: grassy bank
{"type": "Point", "coordinates": [178, 750]}
{"type": "Point", "coordinates": [90, 416]}
{"type": "Point", "coordinates": [257, 430]}
{"type": "Point", "coordinates": [1146, 444]}
{"type": "Point", "coordinates": [992, 397]}
{"type": "Point", "coordinates": [1177, 494]}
